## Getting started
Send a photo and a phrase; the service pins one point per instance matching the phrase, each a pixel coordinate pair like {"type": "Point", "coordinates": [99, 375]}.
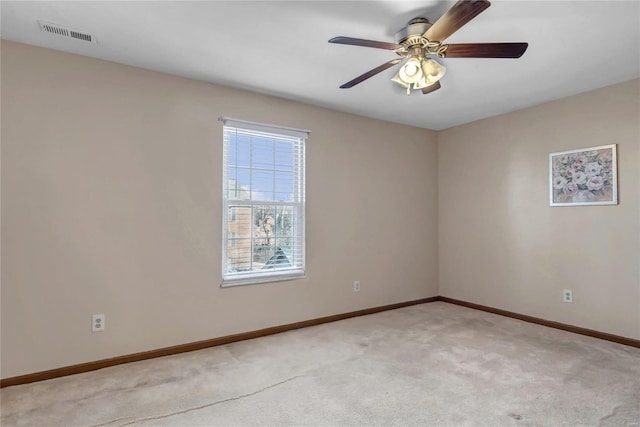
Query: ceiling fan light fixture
{"type": "Point", "coordinates": [423, 84]}
{"type": "Point", "coordinates": [411, 70]}
{"type": "Point", "coordinates": [432, 70]}
{"type": "Point", "coordinates": [397, 79]}
{"type": "Point", "coordinates": [418, 72]}
{"type": "Point", "coordinates": [420, 39]}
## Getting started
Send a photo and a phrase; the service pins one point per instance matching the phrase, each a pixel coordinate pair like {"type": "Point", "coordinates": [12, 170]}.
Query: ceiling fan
{"type": "Point", "coordinates": [420, 40]}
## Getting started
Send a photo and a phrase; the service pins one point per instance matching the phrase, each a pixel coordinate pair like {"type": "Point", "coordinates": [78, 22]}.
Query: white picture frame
{"type": "Point", "coordinates": [584, 177]}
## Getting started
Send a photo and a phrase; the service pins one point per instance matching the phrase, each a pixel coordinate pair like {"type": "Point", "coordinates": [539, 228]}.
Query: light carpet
{"type": "Point", "coordinates": [433, 364]}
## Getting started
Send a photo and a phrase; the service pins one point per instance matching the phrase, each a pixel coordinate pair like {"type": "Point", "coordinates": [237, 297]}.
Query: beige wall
{"type": "Point", "coordinates": [502, 245]}
{"type": "Point", "coordinates": [111, 203]}
{"type": "Point", "coordinates": [111, 188]}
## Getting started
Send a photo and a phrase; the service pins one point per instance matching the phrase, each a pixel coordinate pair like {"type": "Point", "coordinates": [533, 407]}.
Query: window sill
{"type": "Point", "coordinates": [254, 280]}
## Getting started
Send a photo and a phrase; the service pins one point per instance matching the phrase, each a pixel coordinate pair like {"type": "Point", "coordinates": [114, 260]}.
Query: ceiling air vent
{"type": "Point", "coordinates": [63, 31]}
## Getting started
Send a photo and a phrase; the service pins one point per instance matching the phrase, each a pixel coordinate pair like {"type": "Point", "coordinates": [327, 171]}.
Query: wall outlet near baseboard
{"type": "Point", "coordinates": [356, 286]}
{"type": "Point", "coordinates": [97, 323]}
{"type": "Point", "coordinates": [567, 295]}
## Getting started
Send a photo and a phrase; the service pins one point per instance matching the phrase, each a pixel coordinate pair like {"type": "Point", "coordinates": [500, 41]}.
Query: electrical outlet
{"type": "Point", "coordinates": [97, 323]}
{"type": "Point", "coordinates": [356, 286]}
{"type": "Point", "coordinates": [567, 295]}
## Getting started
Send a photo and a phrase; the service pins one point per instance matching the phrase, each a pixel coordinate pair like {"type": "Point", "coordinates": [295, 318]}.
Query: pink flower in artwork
{"type": "Point", "coordinates": [595, 183]}
{"type": "Point", "coordinates": [579, 162]}
{"type": "Point", "coordinates": [570, 189]}
{"type": "Point", "coordinates": [559, 182]}
{"type": "Point", "coordinates": [579, 177]}
{"type": "Point", "coordinates": [593, 168]}
{"type": "Point", "coordinates": [606, 156]}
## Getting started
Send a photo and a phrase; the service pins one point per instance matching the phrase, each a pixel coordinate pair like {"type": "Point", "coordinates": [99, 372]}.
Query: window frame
{"type": "Point", "coordinates": [298, 138]}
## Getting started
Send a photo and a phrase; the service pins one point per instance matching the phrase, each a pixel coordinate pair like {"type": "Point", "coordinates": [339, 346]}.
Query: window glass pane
{"type": "Point", "coordinates": [261, 185]}
{"type": "Point", "coordinates": [264, 235]}
{"type": "Point", "coordinates": [243, 147]}
{"type": "Point", "coordinates": [232, 178]}
{"type": "Point", "coordinates": [284, 156]}
{"type": "Point", "coordinates": [239, 256]}
{"type": "Point", "coordinates": [239, 221]}
{"type": "Point", "coordinates": [283, 243]}
{"type": "Point", "coordinates": [284, 225]}
{"type": "Point", "coordinates": [264, 224]}
{"type": "Point", "coordinates": [262, 153]}
{"type": "Point", "coordinates": [284, 186]}
{"type": "Point", "coordinates": [231, 149]}
{"type": "Point", "coordinates": [239, 188]}
{"type": "Point", "coordinates": [239, 229]}
{"type": "Point", "coordinates": [279, 260]}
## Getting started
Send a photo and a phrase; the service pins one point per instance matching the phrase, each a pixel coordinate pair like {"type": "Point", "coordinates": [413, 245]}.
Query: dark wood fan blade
{"type": "Point", "coordinates": [365, 43]}
{"type": "Point", "coordinates": [486, 50]}
{"type": "Point", "coordinates": [431, 88]}
{"type": "Point", "coordinates": [461, 13]}
{"type": "Point", "coordinates": [370, 73]}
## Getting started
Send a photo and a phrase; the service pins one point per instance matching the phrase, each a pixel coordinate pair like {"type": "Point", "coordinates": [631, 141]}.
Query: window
{"type": "Point", "coordinates": [263, 203]}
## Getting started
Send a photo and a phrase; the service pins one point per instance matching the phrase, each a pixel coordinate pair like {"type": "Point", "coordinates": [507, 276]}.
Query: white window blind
{"type": "Point", "coordinates": [263, 202]}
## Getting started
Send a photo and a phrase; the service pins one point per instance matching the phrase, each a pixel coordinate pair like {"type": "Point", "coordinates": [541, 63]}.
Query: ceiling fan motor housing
{"type": "Point", "coordinates": [414, 29]}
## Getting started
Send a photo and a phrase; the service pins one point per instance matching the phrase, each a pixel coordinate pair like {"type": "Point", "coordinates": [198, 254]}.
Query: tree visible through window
{"type": "Point", "coordinates": [263, 202]}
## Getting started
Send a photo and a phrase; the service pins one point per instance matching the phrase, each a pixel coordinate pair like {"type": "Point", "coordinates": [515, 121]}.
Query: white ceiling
{"type": "Point", "coordinates": [280, 48]}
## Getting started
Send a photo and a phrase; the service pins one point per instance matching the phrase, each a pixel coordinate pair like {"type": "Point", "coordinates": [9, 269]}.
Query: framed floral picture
{"type": "Point", "coordinates": [587, 176]}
